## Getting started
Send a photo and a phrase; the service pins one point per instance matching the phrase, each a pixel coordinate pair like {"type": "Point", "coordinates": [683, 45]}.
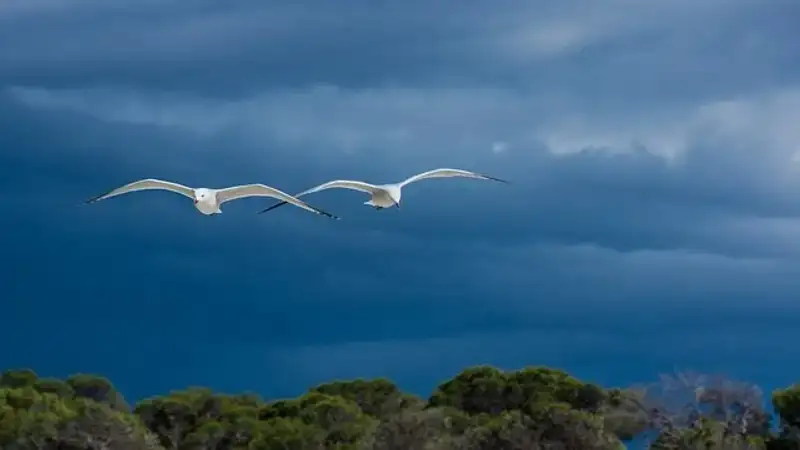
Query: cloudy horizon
{"type": "Point", "coordinates": [653, 219]}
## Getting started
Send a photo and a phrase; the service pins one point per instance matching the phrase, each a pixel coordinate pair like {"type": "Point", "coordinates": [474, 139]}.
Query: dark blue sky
{"type": "Point", "coordinates": [653, 221]}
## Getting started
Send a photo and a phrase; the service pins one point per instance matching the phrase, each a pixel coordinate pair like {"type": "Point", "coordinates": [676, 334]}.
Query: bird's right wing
{"type": "Point", "coordinates": [448, 173]}
{"type": "Point", "coordinates": [146, 185]}
{"type": "Point", "coordinates": [262, 190]}
{"type": "Point", "coordinates": [340, 184]}
{"type": "Point", "coordinates": [343, 184]}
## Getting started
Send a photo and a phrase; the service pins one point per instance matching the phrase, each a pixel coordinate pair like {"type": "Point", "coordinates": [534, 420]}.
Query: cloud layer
{"type": "Point", "coordinates": [653, 151]}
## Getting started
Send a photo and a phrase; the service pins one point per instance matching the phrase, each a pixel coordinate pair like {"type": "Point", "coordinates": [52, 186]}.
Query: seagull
{"type": "Point", "coordinates": [208, 201]}
{"type": "Point", "coordinates": [388, 195]}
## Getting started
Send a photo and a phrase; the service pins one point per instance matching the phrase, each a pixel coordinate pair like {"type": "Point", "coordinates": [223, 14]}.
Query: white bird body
{"type": "Point", "coordinates": [209, 201]}
{"type": "Point", "coordinates": [384, 196]}
{"type": "Point", "coordinates": [205, 200]}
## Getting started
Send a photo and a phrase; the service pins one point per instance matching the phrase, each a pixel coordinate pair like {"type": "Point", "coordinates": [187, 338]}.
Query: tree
{"type": "Point", "coordinates": [54, 386]}
{"type": "Point", "coordinates": [488, 390]}
{"type": "Point", "coordinates": [706, 434]}
{"type": "Point", "coordinates": [289, 434]}
{"type": "Point", "coordinates": [17, 378]}
{"type": "Point", "coordinates": [418, 429]}
{"type": "Point", "coordinates": [98, 426]}
{"type": "Point", "coordinates": [556, 428]}
{"type": "Point", "coordinates": [481, 408]}
{"type": "Point", "coordinates": [534, 406]}
{"type": "Point", "coordinates": [378, 398]}
{"type": "Point", "coordinates": [542, 385]}
{"type": "Point", "coordinates": [690, 410]}
{"type": "Point", "coordinates": [30, 419]}
{"type": "Point", "coordinates": [99, 389]}
{"type": "Point", "coordinates": [343, 422]}
{"type": "Point", "coordinates": [505, 431]}
{"type": "Point", "coordinates": [623, 414]}
{"type": "Point", "coordinates": [171, 418]}
{"type": "Point", "coordinates": [475, 390]}
{"type": "Point", "coordinates": [198, 418]}
{"type": "Point", "coordinates": [787, 406]}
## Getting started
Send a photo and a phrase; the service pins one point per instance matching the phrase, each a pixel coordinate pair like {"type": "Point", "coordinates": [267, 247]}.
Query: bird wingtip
{"type": "Point", "coordinates": [499, 180]}
{"type": "Point", "coordinates": [96, 198]}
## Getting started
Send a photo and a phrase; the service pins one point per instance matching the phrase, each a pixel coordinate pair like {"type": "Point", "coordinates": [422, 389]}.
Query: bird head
{"type": "Point", "coordinates": [201, 195]}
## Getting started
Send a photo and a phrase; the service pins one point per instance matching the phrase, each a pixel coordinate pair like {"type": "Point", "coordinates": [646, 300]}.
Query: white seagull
{"type": "Point", "coordinates": [209, 201]}
{"type": "Point", "coordinates": [388, 195]}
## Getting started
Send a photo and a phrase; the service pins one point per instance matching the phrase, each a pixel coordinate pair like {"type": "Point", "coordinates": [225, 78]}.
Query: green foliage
{"type": "Point", "coordinates": [378, 398]}
{"type": "Point", "coordinates": [30, 419]}
{"type": "Point", "coordinates": [340, 422]}
{"type": "Point", "coordinates": [98, 389]}
{"type": "Point", "coordinates": [787, 405]}
{"type": "Point", "coordinates": [555, 427]}
{"type": "Point", "coordinates": [489, 390]}
{"type": "Point", "coordinates": [288, 434]}
{"type": "Point", "coordinates": [198, 418]}
{"type": "Point", "coordinates": [54, 386]}
{"type": "Point", "coordinates": [16, 378]}
{"type": "Point", "coordinates": [433, 428]}
{"type": "Point", "coordinates": [481, 408]}
{"type": "Point", "coordinates": [623, 414]}
{"type": "Point", "coordinates": [706, 435]}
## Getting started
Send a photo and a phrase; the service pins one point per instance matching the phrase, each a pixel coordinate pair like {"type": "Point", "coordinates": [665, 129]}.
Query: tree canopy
{"type": "Point", "coordinates": [481, 408]}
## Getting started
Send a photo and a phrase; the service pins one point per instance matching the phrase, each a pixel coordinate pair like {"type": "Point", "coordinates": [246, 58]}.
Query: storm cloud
{"type": "Point", "coordinates": [652, 149]}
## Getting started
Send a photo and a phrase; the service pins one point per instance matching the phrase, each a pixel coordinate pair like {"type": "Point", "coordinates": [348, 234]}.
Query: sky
{"type": "Point", "coordinates": [652, 222]}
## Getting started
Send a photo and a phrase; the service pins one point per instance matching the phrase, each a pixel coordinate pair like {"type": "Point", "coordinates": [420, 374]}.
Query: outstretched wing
{"type": "Point", "coordinates": [449, 173]}
{"type": "Point", "coordinates": [261, 190]}
{"type": "Point", "coordinates": [340, 184]}
{"type": "Point", "coordinates": [146, 185]}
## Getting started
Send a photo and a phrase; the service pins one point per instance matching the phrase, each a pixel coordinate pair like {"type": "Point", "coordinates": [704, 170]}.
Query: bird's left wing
{"type": "Point", "coordinates": [340, 184]}
{"type": "Point", "coordinates": [146, 185]}
{"type": "Point", "coordinates": [449, 173]}
{"type": "Point", "coordinates": [261, 190]}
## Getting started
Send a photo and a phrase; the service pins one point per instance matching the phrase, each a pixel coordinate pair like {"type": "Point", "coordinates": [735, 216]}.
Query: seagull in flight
{"type": "Point", "coordinates": [388, 195]}
{"type": "Point", "coordinates": [209, 201]}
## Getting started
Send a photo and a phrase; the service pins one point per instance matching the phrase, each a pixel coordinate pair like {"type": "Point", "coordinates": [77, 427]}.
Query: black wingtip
{"type": "Point", "coordinates": [317, 210]}
{"type": "Point", "coordinates": [272, 207]}
{"type": "Point", "coordinates": [499, 180]}
{"type": "Point", "coordinates": [328, 215]}
{"type": "Point", "coordinates": [93, 199]}
{"type": "Point", "coordinates": [323, 212]}
{"type": "Point", "coordinates": [97, 198]}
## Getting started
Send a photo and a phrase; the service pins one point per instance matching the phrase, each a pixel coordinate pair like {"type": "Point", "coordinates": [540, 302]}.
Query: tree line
{"type": "Point", "coordinates": [481, 408]}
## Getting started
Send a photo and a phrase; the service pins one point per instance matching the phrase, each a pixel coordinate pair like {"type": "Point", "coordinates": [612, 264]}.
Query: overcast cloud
{"type": "Point", "coordinates": [652, 148]}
